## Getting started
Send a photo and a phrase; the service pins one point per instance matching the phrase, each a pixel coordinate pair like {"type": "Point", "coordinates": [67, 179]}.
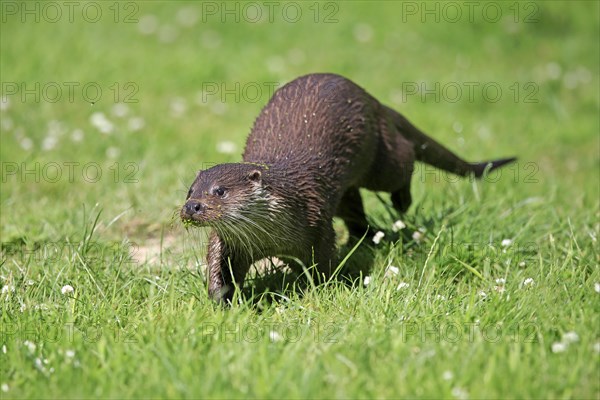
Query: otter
{"type": "Point", "coordinates": [319, 139]}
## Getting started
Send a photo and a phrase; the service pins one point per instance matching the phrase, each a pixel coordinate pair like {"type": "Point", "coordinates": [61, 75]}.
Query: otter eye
{"type": "Point", "coordinates": [218, 191]}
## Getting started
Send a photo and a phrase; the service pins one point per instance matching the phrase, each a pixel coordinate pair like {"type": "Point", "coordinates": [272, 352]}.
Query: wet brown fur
{"type": "Point", "coordinates": [318, 140]}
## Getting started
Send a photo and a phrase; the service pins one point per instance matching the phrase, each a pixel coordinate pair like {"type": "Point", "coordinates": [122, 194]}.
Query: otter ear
{"type": "Point", "coordinates": [255, 175]}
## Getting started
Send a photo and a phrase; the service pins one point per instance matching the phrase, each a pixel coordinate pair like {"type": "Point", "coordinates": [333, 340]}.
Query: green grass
{"type": "Point", "coordinates": [138, 326]}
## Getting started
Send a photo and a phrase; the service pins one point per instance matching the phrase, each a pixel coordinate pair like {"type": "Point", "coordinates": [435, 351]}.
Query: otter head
{"type": "Point", "coordinates": [225, 195]}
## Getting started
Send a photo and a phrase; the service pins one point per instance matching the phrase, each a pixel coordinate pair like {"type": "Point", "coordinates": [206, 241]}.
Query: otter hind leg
{"type": "Point", "coordinates": [401, 199]}
{"type": "Point", "coordinates": [351, 210]}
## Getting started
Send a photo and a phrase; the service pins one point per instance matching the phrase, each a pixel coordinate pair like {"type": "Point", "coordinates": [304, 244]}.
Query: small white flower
{"type": "Point", "coordinates": [120, 110]}
{"type": "Point", "coordinates": [5, 387]}
{"type": "Point", "coordinates": [447, 375]}
{"type": "Point", "coordinates": [500, 281]}
{"type": "Point", "coordinates": [398, 225]}
{"type": "Point", "coordinates": [226, 147]}
{"type": "Point", "coordinates": [482, 294]}
{"type": "Point", "coordinates": [367, 280]}
{"type": "Point", "coordinates": [70, 353]}
{"type": "Point", "coordinates": [570, 337]}
{"type": "Point", "coordinates": [67, 289]}
{"type": "Point", "coordinates": [460, 393]}
{"type": "Point", "coordinates": [30, 346]}
{"type": "Point", "coordinates": [558, 347]}
{"type": "Point", "coordinates": [113, 152]}
{"type": "Point", "coordinates": [49, 143]}
{"type": "Point", "coordinates": [597, 347]}
{"type": "Point", "coordinates": [391, 271]}
{"type": "Point", "coordinates": [440, 297]}
{"type": "Point", "coordinates": [4, 103]}
{"type": "Point", "coordinates": [100, 122]}
{"type": "Point", "coordinates": [4, 348]}
{"type": "Point", "coordinates": [506, 242]}
{"type": "Point", "coordinates": [522, 264]}
{"type": "Point", "coordinates": [402, 285]}
{"type": "Point", "coordinates": [500, 288]}
{"type": "Point", "coordinates": [7, 288]}
{"type": "Point", "coordinates": [178, 107]}
{"type": "Point", "coordinates": [274, 336]}
{"type": "Point", "coordinates": [77, 135]}
{"type": "Point", "coordinates": [417, 236]}
{"type": "Point", "coordinates": [363, 33]}
{"type": "Point", "coordinates": [528, 282]}
{"type": "Point", "coordinates": [378, 236]}
{"type": "Point", "coordinates": [26, 143]}
{"type": "Point", "coordinates": [148, 24]}
{"type": "Point", "coordinates": [30, 282]}
{"type": "Point", "coordinates": [135, 124]}
{"type": "Point", "coordinates": [597, 287]}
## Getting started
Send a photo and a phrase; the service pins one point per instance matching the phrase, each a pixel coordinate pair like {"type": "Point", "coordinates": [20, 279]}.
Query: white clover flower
{"type": "Point", "coordinates": [417, 236]}
{"type": "Point", "coordinates": [274, 336]}
{"type": "Point", "coordinates": [378, 236]}
{"type": "Point", "coordinates": [500, 288]}
{"type": "Point", "coordinates": [67, 289]}
{"type": "Point", "coordinates": [70, 353]}
{"type": "Point", "coordinates": [77, 135]}
{"type": "Point", "coordinates": [402, 285]}
{"type": "Point", "coordinates": [7, 288]}
{"type": "Point", "coordinates": [4, 103]}
{"type": "Point", "coordinates": [135, 124]}
{"type": "Point", "coordinates": [367, 280]}
{"type": "Point", "coordinates": [148, 24]}
{"type": "Point", "coordinates": [528, 282]}
{"type": "Point", "coordinates": [447, 375]}
{"type": "Point", "coordinates": [391, 271]}
{"type": "Point", "coordinates": [597, 287]}
{"type": "Point", "coordinates": [120, 110]}
{"type": "Point", "coordinates": [113, 152]}
{"type": "Point", "coordinates": [522, 264]}
{"type": "Point", "coordinates": [500, 281]}
{"type": "Point", "coordinates": [178, 106]}
{"type": "Point", "coordinates": [49, 143]}
{"type": "Point", "coordinates": [5, 387]}
{"type": "Point", "coordinates": [30, 346]}
{"type": "Point", "coordinates": [363, 33]}
{"type": "Point", "coordinates": [506, 242]}
{"type": "Point", "coordinates": [398, 225]}
{"type": "Point", "coordinates": [460, 393]}
{"type": "Point", "coordinates": [226, 147]}
{"type": "Point", "coordinates": [482, 294]}
{"type": "Point", "coordinates": [4, 348]}
{"type": "Point", "coordinates": [559, 347]}
{"type": "Point", "coordinates": [100, 122]}
{"type": "Point", "coordinates": [26, 143]}
{"type": "Point", "coordinates": [570, 337]}
{"type": "Point", "coordinates": [597, 347]}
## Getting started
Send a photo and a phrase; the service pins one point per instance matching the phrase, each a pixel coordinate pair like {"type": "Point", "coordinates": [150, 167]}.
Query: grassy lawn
{"type": "Point", "coordinates": [492, 290]}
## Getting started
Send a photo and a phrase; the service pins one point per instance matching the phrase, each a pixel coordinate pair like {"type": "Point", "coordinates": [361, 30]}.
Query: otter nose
{"type": "Point", "coordinates": [193, 207]}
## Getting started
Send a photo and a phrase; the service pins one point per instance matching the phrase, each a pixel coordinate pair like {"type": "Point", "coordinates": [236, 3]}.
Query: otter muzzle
{"type": "Point", "coordinates": [191, 208]}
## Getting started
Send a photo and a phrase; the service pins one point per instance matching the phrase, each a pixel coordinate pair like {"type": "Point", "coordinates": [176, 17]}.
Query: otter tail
{"type": "Point", "coordinates": [433, 153]}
